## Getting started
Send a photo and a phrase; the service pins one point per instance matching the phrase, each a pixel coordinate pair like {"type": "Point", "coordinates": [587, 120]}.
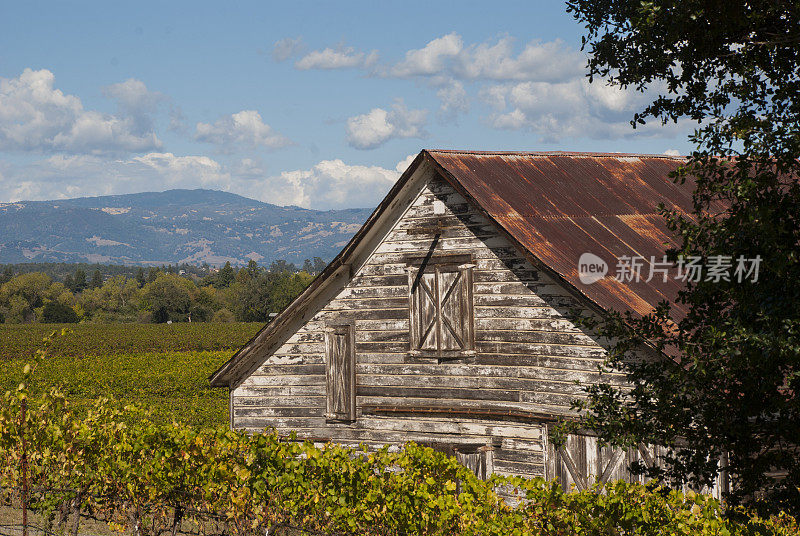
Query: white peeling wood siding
{"type": "Point", "coordinates": [528, 355]}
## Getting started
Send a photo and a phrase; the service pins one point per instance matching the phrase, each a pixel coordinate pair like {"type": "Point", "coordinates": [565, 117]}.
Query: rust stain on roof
{"type": "Point", "coordinates": [561, 205]}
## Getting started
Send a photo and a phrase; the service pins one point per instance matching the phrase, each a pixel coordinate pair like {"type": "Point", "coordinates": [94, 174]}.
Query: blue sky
{"type": "Point", "coordinates": [317, 104]}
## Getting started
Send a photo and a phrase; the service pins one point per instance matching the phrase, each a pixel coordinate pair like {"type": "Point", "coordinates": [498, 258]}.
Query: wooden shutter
{"type": "Point", "coordinates": [441, 309]}
{"type": "Point", "coordinates": [425, 311]}
{"type": "Point", "coordinates": [340, 373]}
{"type": "Point", "coordinates": [479, 461]}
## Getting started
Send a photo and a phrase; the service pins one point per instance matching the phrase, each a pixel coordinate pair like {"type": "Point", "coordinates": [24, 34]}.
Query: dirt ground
{"type": "Point", "coordinates": [11, 524]}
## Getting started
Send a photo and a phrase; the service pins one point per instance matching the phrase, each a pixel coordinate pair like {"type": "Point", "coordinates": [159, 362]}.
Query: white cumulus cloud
{"type": "Point", "coordinates": [370, 130]}
{"type": "Point", "coordinates": [35, 116]}
{"type": "Point", "coordinates": [431, 59]}
{"type": "Point", "coordinates": [454, 99]}
{"type": "Point", "coordinates": [403, 164]}
{"type": "Point", "coordinates": [330, 184]}
{"type": "Point", "coordinates": [244, 129]}
{"type": "Point", "coordinates": [447, 57]}
{"type": "Point", "coordinates": [550, 61]}
{"type": "Point", "coordinates": [135, 101]}
{"type": "Point", "coordinates": [574, 108]}
{"type": "Point", "coordinates": [447, 63]}
{"type": "Point", "coordinates": [337, 58]}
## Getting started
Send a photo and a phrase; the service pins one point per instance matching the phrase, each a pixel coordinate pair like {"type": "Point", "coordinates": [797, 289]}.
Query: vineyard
{"type": "Point", "coordinates": [112, 464]}
{"type": "Point", "coordinates": [163, 366]}
{"type": "Point", "coordinates": [149, 479]}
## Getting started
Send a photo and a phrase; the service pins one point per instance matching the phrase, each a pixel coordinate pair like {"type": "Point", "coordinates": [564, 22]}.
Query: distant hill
{"type": "Point", "coordinates": [176, 226]}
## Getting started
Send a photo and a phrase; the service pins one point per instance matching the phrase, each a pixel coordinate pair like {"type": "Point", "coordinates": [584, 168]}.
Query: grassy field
{"type": "Point", "coordinates": [161, 366]}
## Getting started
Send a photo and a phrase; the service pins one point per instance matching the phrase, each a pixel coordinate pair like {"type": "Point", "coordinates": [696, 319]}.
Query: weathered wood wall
{"type": "Point", "coordinates": [528, 355]}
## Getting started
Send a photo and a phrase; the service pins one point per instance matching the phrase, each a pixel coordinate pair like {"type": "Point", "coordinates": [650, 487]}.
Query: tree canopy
{"type": "Point", "coordinates": [727, 386]}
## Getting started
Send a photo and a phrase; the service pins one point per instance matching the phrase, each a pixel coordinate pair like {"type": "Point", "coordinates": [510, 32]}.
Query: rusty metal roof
{"type": "Point", "coordinates": [559, 205]}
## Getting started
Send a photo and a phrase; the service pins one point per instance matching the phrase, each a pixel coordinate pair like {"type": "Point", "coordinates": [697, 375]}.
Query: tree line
{"type": "Point", "coordinates": [157, 294]}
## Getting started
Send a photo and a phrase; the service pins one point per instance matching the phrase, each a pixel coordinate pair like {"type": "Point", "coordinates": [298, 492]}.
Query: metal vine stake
{"type": "Point", "coordinates": [23, 418]}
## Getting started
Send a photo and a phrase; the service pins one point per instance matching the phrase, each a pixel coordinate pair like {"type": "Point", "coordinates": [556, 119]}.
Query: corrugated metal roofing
{"type": "Point", "coordinates": [561, 205]}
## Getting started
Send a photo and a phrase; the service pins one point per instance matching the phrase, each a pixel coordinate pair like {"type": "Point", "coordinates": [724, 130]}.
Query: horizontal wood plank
{"type": "Point", "coordinates": [444, 393]}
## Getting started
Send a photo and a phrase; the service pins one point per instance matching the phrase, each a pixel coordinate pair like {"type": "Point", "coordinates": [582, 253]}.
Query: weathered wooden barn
{"type": "Point", "coordinates": [445, 320]}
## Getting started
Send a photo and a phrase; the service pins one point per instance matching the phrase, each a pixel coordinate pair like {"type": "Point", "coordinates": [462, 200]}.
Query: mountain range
{"type": "Point", "coordinates": [176, 226]}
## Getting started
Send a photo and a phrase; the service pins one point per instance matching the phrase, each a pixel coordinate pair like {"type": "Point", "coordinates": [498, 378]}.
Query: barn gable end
{"type": "Point", "coordinates": [488, 404]}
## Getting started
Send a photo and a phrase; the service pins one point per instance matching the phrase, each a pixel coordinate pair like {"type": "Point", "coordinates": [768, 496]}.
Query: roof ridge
{"type": "Point", "coordinates": [556, 153]}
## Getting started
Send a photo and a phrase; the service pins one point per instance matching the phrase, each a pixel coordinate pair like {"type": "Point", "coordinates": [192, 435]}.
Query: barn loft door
{"type": "Point", "coordinates": [441, 308]}
{"type": "Point", "coordinates": [340, 373]}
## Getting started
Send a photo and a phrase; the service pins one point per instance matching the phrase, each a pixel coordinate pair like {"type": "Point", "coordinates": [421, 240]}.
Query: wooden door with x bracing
{"type": "Point", "coordinates": [441, 309]}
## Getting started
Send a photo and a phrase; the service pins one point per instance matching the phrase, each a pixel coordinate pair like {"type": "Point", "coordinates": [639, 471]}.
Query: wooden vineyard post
{"type": "Point", "coordinates": [77, 510]}
{"type": "Point", "coordinates": [24, 418]}
{"type": "Point", "coordinates": [176, 520]}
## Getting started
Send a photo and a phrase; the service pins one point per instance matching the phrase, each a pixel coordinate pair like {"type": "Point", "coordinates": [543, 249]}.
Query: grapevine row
{"type": "Point", "coordinates": [150, 478]}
